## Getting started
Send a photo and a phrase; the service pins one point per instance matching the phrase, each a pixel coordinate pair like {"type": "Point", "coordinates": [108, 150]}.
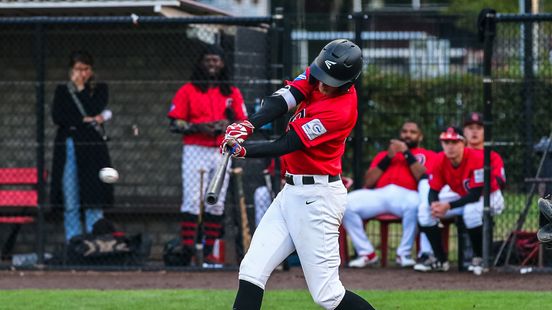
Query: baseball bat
{"type": "Point", "coordinates": [199, 232]}
{"type": "Point", "coordinates": [246, 235]}
{"type": "Point", "coordinates": [213, 190]}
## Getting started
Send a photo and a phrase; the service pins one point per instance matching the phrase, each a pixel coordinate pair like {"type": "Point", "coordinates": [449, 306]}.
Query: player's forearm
{"type": "Point", "coordinates": [372, 176]}
{"type": "Point", "coordinates": [290, 142]}
{"type": "Point", "coordinates": [472, 196]}
{"type": "Point", "coordinates": [276, 105]}
{"type": "Point", "coordinates": [417, 170]}
{"type": "Point", "coordinates": [181, 127]}
{"type": "Point", "coordinates": [433, 196]}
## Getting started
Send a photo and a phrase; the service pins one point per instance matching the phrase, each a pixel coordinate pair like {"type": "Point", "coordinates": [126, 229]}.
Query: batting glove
{"type": "Point", "coordinates": [239, 132]}
{"type": "Point", "coordinates": [236, 134]}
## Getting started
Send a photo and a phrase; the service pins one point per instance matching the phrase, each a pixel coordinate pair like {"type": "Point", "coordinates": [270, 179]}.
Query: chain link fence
{"type": "Point", "coordinates": [138, 68]}
{"type": "Point", "coordinates": [521, 74]}
{"type": "Point", "coordinates": [422, 67]}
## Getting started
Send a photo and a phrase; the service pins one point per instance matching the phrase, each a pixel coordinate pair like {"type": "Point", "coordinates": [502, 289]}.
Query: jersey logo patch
{"type": "Point", "coordinates": [478, 175]}
{"type": "Point", "coordinates": [466, 184]}
{"type": "Point", "coordinates": [421, 158]}
{"type": "Point", "coordinates": [329, 63]}
{"type": "Point", "coordinates": [229, 102]}
{"type": "Point", "coordinates": [314, 129]}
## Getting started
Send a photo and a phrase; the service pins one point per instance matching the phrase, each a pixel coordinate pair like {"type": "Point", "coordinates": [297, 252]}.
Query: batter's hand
{"type": "Point", "coordinates": [239, 132]}
{"type": "Point", "coordinates": [235, 149]}
{"type": "Point", "coordinates": [439, 209]}
{"type": "Point", "coordinates": [236, 133]}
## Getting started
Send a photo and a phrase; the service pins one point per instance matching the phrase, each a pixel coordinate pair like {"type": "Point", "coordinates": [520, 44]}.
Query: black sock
{"type": "Point", "coordinates": [476, 238]}
{"type": "Point", "coordinates": [249, 297]}
{"type": "Point", "coordinates": [435, 237]}
{"type": "Point", "coordinates": [353, 301]}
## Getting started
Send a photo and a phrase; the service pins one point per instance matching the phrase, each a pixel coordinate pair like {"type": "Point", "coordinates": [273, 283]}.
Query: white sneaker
{"type": "Point", "coordinates": [405, 261]}
{"type": "Point", "coordinates": [363, 261]}
{"type": "Point", "coordinates": [476, 266]}
{"type": "Point", "coordinates": [432, 264]}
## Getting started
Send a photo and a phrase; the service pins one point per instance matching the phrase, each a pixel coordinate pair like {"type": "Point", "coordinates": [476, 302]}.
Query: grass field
{"type": "Point", "coordinates": [222, 299]}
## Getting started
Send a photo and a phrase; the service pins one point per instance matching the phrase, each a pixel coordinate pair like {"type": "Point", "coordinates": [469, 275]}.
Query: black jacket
{"type": "Point", "coordinates": [91, 150]}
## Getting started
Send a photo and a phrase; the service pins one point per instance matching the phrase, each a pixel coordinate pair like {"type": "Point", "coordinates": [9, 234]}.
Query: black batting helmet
{"type": "Point", "coordinates": [339, 63]}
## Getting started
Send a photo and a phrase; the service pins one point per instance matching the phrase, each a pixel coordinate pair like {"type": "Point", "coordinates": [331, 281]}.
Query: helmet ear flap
{"type": "Point", "coordinates": [345, 87]}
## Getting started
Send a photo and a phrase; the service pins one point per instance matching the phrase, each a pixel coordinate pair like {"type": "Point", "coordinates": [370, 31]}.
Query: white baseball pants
{"type": "Point", "coordinates": [472, 213]}
{"type": "Point", "coordinates": [194, 159]}
{"type": "Point", "coordinates": [305, 218]}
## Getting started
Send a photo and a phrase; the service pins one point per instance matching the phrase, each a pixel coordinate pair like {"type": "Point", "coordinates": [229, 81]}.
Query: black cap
{"type": "Point", "coordinates": [213, 49]}
{"type": "Point", "coordinates": [339, 63]}
{"type": "Point", "coordinates": [473, 118]}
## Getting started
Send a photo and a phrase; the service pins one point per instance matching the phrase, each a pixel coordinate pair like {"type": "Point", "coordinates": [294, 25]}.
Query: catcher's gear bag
{"type": "Point", "coordinates": [108, 249]}
{"type": "Point", "coordinates": [177, 254]}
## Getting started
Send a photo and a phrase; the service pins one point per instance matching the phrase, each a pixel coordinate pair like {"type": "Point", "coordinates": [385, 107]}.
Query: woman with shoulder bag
{"type": "Point", "coordinates": [80, 149]}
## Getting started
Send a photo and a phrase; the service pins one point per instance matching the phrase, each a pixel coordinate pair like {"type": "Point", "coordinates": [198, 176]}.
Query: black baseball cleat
{"type": "Point", "coordinates": [545, 233]}
{"type": "Point", "coordinates": [545, 206]}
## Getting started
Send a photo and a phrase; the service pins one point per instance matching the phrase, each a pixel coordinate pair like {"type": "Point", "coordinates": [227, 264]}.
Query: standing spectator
{"type": "Point", "coordinates": [391, 187]}
{"type": "Point", "coordinates": [80, 148]}
{"type": "Point", "coordinates": [200, 111]}
{"type": "Point", "coordinates": [460, 168]}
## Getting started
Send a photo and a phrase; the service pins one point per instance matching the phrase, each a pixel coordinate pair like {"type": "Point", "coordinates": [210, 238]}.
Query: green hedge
{"type": "Point", "coordinates": [391, 99]}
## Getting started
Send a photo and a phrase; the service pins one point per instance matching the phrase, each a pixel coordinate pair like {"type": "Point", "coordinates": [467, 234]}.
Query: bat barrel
{"type": "Point", "coordinates": [213, 191]}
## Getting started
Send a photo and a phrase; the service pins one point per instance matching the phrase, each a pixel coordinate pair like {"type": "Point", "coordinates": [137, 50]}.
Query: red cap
{"type": "Point", "coordinates": [451, 134]}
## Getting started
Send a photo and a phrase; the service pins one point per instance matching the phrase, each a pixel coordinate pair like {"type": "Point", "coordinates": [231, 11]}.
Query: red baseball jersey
{"type": "Point", "coordinates": [469, 174]}
{"type": "Point", "coordinates": [193, 106]}
{"type": "Point", "coordinates": [323, 123]}
{"type": "Point", "coordinates": [301, 83]}
{"type": "Point", "coordinates": [398, 172]}
{"type": "Point", "coordinates": [497, 166]}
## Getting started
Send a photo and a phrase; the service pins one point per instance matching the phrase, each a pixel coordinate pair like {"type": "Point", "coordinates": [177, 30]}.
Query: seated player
{"type": "Point", "coordinates": [460, 168]}
{"type": "Point", "coordinates": [391, 187]}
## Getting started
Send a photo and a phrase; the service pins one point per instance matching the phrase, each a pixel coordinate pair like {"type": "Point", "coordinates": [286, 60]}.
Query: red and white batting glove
{"type": "Point", "coordinates": [237, 132]}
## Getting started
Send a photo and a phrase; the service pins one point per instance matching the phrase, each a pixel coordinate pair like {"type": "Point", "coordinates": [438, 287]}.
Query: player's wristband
{"type": "Point", "coordinates": [410, 158]}
{"type": "Point", "coordinates": [384, 163]}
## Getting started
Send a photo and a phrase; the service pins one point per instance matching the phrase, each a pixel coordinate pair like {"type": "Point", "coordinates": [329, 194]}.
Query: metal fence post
{"type": "Point", "coordinates": [527, 92]}
{"type": "Point", "coordinates": [39, 89]}
{"type": "Point", "coordinates": [489, 34]}
{"type": "Point", "coordinates": [358, 139]}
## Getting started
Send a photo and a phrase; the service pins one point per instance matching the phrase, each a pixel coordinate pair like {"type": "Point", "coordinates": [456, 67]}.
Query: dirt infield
{"type": "Point", "coordinates": [367, 279]}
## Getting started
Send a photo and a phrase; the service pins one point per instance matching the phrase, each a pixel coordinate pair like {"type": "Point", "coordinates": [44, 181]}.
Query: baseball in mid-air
{"type": "Point", "coordinates": [109, 175]}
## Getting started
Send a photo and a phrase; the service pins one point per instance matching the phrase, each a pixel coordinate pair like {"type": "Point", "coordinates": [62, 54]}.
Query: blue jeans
{"type": "Point", "coordinates": [72, 221]}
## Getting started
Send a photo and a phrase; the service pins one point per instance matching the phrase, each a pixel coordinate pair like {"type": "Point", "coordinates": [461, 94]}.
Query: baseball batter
{"type": "Point", "coordinates": [200, 111]}
{"type": "Point", "coordinates": [460, 168]}
{"type": "Point", "coordinates": [391, 187]}
{"type": "Point", "coordinates": [307, 213]}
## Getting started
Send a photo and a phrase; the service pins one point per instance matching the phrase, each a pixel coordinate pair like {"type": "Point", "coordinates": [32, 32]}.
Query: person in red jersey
{"type": "Point", "coordinates": [391, 186]}
{"type": "Point", "coordinates": [461, 169]}
{"type": "Point", "coordinates": [474, 132]}
{"type": "Point", "coordinates": [305, 216]}
{"type": "Point", "coordinates": [200, 111]}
